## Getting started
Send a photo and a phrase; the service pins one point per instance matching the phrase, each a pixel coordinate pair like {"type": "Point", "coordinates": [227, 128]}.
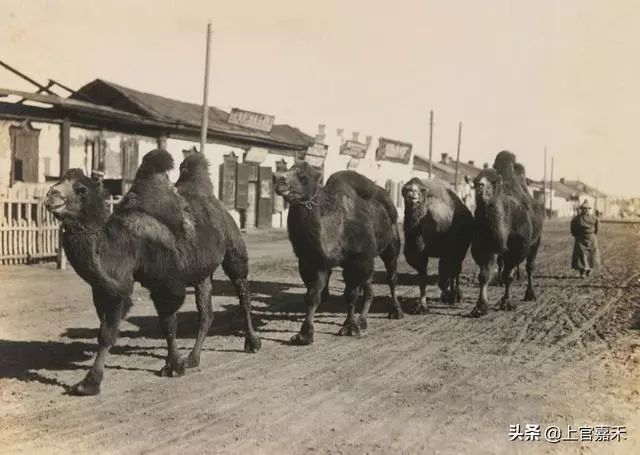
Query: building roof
{"type": "Point", "coordinates": [422, 164]}
{"type": "Point", "coordinates": [465, 168]}
{"type": "Point", "coordinates": [581, 187]}
{"type": "Point", "coordinates": [173, 111]}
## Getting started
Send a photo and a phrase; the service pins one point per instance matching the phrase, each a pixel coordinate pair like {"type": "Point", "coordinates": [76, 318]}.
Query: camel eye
{"type": "Point", "coordinates": [80, 189]}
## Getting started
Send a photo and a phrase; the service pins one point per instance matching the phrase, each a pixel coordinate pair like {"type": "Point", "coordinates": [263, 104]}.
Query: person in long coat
{"type": "Point", "coordinates": [584, 228]}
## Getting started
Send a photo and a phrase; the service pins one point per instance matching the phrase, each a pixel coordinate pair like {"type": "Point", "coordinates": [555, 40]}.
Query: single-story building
{"type": "Point", "coordinates": [108, 128]}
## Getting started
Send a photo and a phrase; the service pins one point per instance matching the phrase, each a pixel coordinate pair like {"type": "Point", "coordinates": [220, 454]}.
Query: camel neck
{"type": "Point", "coordinates": [412, 216]}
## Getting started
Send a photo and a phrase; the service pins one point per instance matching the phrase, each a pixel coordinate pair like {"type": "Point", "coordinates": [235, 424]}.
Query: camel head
{"type": "Point", "coordinates": [487, 185]}
{"type": "Point", "coordinates": [505, 164]}
{"type": "Point", "coordinates": [414, 193]}
{"type": "Point", "coordinates": [299, 184]}
{"type": "Point", "coordinates": [76, 197]}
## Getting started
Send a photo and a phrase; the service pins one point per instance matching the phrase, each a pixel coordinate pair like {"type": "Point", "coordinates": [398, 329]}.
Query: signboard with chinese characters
{"type": "Point", "coordinates": [318, 149]}
{"type": "Point", "coordinates": [255, 120]}
{"type": "Point", "coordinates": [315, 161]}
{"type": "Point", "coordinates": [256, 155]}
{"type": "Point", "coordinates": [354, 149]}
{"type": "Point", "coordinates": [316, 154]}
{"type": "Point", "coordinates": [396, 151]}
{"type": "Point", "coordinates": [353, 164]}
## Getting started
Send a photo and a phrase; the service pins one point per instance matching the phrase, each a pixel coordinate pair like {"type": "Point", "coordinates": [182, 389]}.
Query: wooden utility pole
{"type": "Point", "coordinates": [551, 189]}
{"type": "Point", "coordinates": [544, 183]}
{"type": "Point", "coordinates": [65, 157]}
{"type": "Point", "coordinates": [458, 156]}
{"type": "Point", "coordinates": [205, 105]}
{"type": "Point", "coordinates": [430, 143]}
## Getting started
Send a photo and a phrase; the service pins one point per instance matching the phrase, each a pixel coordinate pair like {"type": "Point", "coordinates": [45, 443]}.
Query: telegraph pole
{"type": "Point", "coordinates": [430, 142]}
{"type": "Point", "coordinates": [205, 106]}
{"type": "Point", "coordinates": [544, 183]}
{"type": "Point", "coordinates": [458, 156]}
{"type": "Point", "coordinates": [551, 189]}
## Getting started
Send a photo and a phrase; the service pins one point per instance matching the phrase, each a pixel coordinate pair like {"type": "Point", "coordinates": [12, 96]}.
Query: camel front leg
{"type": "Point", "coordinates": [507, 278]}
{"type": "Point", "coordinates": [367, 292]}
{"type": "Point", "coordinates": [486, 270]}
{"type": "Point", "coordinates": [167, 302]}
{"type": "Point", "coordinates": [110, 310]}
{"type": "Point", "coordinates": [350, 327]}
{"type": "Point", "coordinates": [315, 279]}
{"type": "Point", "coordinates": [423, 306]}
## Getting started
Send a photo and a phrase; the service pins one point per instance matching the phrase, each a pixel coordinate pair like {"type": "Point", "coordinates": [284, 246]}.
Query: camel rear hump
{"type": "Point", "coordinates": [365, 189]}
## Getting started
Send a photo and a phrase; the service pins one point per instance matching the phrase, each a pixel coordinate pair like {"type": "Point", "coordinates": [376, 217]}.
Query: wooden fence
{"type": "Point", "coordinates": [28, 232]}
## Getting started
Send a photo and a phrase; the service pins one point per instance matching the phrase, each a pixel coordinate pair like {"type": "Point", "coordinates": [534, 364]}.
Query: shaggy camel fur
{"type": "Point", "coordinates": [346, 223]}
{"type": "Point", "coordinates": [139, 243]}
{"type": "Point", "coordinates": [508, 224]}
{"type": "Point", "coordinates": [437, 224]}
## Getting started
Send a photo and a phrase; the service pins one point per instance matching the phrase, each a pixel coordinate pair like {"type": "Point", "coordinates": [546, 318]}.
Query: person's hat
{"type": "Point", "coordinates": [585, 205]}
{"type": "Point", "coordinates": [97, 174]}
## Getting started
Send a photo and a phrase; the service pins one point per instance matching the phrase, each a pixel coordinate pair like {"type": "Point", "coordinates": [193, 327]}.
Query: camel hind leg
{"type": "Point", "coordinates": [530, 294]}
{"type": "Point", "coordinates": [390, 258]}
{"type": "Point", "coordinates": [236, 266]}
{"type": "Point", "coordinates": [205, 318]}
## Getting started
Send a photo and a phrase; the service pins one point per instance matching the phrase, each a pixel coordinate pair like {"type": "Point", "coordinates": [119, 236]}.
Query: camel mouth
{"type": "Point", "coordinates": [282, 189]}
{"type": "Point", "coordinates": [413, 200]}
{"type": "Point", "coordinates": [55, 208]}
{"type": "Point", "coordinates": [54, 203]}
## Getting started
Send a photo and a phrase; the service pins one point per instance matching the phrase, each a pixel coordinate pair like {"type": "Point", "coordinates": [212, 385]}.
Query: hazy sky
{"type": "Point", "coordinates": [518, 74]}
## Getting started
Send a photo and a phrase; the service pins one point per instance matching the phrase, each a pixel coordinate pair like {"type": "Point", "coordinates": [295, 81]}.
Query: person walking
{"type": "Point", "coordinates": [584, 229]}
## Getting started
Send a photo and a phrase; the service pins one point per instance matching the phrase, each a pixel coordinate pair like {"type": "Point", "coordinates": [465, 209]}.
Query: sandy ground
{"type": "Point", "coordinates": [437, 383]}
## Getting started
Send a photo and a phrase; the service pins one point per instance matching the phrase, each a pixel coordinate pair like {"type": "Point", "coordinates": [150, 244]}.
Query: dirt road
{"type": "Point", "coordinates": [438, 383]}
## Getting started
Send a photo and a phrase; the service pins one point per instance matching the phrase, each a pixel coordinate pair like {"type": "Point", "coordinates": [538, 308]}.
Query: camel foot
{"type": "Point", "coordinates": [252, 344]}
{"type": "Point", "coordinates": [174, 368]}
{"type": "Point", "coordinates": [362, 323]}
{"type": "Point", "coordinates": [479, 310]}
{"type": "Point", "coordinates": [302, 339]}
{"type": "Point", "coordinates": [506, 305]}
{"type": "Point", "coordinates": [420, 308]}
{"type": "Point", "coordinates": [530, 295]}
{"type": "Point", "coordinates": [448, 297]}
{"type": "Point", "coordinates": [85, 388]}
{"type": "Point", "coordinates": [192, 361]}
{"type": "Point", "coordinates": [458, 296]}
{"type": "Point", "coordinates": [349, 329]}
{"type": "Point", "coordinates": [395, 313]}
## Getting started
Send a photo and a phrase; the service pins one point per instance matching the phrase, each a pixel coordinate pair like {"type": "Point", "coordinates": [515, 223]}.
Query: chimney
{"type": "Point", "coordinates": [485, 166]}
{"type": "Point", "coordinates": [340, 132]}
{"type": "Point", "coordinates": [445, 158]}
{"type": "Point", "coordinates": [471, 162]}
{"type": "Point", "coordinates": [355, 136]}
{"type": "Point", "coordinates": [562, 180]}
{"type": "Point", "coordinates": [321, 133]}
{"type": "Point", "coordinates": [368, 140]}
